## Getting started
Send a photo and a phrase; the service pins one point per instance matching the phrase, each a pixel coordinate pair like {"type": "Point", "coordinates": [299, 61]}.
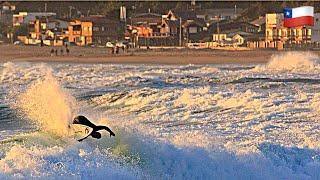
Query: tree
{"type": "Point", "coordinates": [21, 30]}
{"type": "Point", "coordinates": [104, 8]}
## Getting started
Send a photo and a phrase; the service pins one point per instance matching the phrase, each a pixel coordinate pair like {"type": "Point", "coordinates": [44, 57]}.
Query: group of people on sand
{"type": "Point", "coordinates": [54, 51]}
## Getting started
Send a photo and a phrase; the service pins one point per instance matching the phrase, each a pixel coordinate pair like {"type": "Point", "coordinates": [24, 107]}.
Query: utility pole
{"type": "Point", "coordinates": [70, 8]}
{"type": "Point", "coordinates": [70, 12]}
{"type": "Point", "coordinates": [180, 34]}
{"type": "Point", "coordinates": [218, 30]}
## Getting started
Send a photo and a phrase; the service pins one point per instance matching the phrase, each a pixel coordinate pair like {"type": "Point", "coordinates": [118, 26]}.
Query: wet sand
{"type": "Point", "coordinates": [159, 56]}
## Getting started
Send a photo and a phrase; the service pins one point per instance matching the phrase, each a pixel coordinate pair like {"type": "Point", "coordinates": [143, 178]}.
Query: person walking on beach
{"type": "Point", "coordinates": [117, 50]}
{"type": "Point", "coordinates": [127, 48]}
{"type": "Point", "coordinates": [52, 52]}
{"type": "Point", "coordinates": [122, 48]}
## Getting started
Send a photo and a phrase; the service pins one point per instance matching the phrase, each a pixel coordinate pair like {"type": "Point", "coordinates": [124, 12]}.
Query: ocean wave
{"type": "Point", "coordinates": [132, 156]}
{"type": "Point", "coordinates": [276, 80]}
{"type": "Point", "coordinates": [187, 128]}
{"type": "Point", "coordinates": [297, 62]}
{"type": "Point", "coordinates": [48, 105]}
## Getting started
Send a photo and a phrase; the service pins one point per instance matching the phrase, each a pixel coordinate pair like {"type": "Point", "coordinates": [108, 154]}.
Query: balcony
{"type": "Point", "coordinates": [76, 32]}
{"type": "Point", "coordinates": [156, 35]}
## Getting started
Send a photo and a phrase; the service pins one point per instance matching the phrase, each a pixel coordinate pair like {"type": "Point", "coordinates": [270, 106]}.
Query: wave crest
{"type": "Point", "coordinates": [291, 61]}
{"type": "Point", "coordinates": [48, 105]}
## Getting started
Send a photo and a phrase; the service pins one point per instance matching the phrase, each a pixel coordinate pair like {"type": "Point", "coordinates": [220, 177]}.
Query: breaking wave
{"type": "Point", "coordinates": [291, 61]}
{"type": "Point", "coordinates": [47, 104]}
{"type": "Point", "coordinates": [199, 130]}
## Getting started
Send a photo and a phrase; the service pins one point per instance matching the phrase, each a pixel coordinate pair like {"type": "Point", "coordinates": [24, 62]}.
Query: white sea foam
{"type": "Point", "coordinates": [170, 123]}
{"type": "Point", "coordinates": [76, 161]}
{"type": "Point", "coordinates": [303, 62]}
{"type": "Point", "coordinates": [48, 105]}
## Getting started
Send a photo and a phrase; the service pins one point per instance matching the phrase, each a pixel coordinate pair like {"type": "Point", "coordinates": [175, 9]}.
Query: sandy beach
{"type": "Point", "coordinates": [159, 56]}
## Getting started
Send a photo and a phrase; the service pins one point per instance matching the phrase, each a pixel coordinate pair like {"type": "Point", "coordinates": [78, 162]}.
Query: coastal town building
{"type": "Point", "coordinates": [105, 29]}
{"type": "Point", "coordinates": [219, 37]}
{"type": "Point", "coordinates": [17, 19]}
{"type": "Point", "coordinates": [260, 22]}
{"type": "Point", "coordinates": [27, 17]}
{"type": "Point", "coordinates": [192, 26]}
{"type": "Point", "coordinates": [177, 27]}
{"type": "Point", "coordinates": [155, 30]}
{"type": "Point", "coordinates": [193, 30]}
{"type": "Point", "coordinates": [7, 7]}
{"type": "Point", "coordinates": [236, 33]}
{"type": "Point", "coordinates": [48, 28]}
{"type": "Point", "coordinates": [46, 31]}
{"type": "Point", "coordinates": [222, 40]}
{"type": "Point", "coordinates": [150, 20]}
{"type": "Point", "coordinates": [231, 26]}
{"type": "Point", "coordinates": [220, 14]}
{"type": "Point", "coordinates": [238, 40]}
{"type": "Point", "coordinates": [6, 13]}
{"type": "Point", "coordinates": [80, 32]}
{"type": "Point", "coordinates": [275, 31]}
{"type": "Point", "coordinates": [170, 27]}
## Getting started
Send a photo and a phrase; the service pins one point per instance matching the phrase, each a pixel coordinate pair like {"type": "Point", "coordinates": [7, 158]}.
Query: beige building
{"type": "Point", "coordinates": [27, 17]}
{"type": "Point", "coordinates": [80, 32]}
{"type": "Point", "coordinates": [219, 37]}
{"type": "Point", "coordinates": [275, 31]}
{"type": "Point", "coordinates": [238, 40]}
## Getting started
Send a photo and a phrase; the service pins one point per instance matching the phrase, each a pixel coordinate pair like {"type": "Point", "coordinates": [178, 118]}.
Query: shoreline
{"type": "Point", "coordinates": [12, 53]}
{"type": "Point", "coordinates": [170, 60]}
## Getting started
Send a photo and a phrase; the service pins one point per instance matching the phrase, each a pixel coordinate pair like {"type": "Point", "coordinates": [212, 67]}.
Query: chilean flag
{"type": "Point", "coordinates": [301, 16]}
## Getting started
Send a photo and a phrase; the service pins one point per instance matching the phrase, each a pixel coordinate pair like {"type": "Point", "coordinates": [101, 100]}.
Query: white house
{"type": "Point", "coordinates": [228, 40]}
{"type": "Point", "coordinates": [238, 40]}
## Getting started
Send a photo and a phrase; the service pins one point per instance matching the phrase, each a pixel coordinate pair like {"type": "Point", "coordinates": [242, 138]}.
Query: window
{"type": "Point", "coordinates": [284, 33]}
{"type": "Point", "coordinates": [95, 28]}
{"type": "Point", "coordinates": [192, 30]}
{"type": "Point", "coordinates": [102, 28]}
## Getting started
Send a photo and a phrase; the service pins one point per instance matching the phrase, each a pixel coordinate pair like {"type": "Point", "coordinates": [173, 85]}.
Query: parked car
{"type": "Point", "coordinates": [72, 44]}
{"type": "Point", "coordinates": [109, 45]}
{"type": "Point", "coordinates": [17, 43]}
{"type": "Point", "coordinates": [91, 45]}
{"type": "Point", "coordinates": [122, 44]}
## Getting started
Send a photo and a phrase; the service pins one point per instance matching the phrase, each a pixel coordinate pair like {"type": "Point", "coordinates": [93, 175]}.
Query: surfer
{"type": "Point", "coordinates": [84, 121]}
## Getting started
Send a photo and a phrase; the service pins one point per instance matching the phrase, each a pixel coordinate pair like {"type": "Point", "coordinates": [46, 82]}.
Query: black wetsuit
{"type": "Point", "coordinates": [84, 121]}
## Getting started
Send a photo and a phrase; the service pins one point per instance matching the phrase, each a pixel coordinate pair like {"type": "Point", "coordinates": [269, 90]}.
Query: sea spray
{"type": "Point", "coordinates": [48, 105]}
{"type": "Point", "coordinates": [291, 61]}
